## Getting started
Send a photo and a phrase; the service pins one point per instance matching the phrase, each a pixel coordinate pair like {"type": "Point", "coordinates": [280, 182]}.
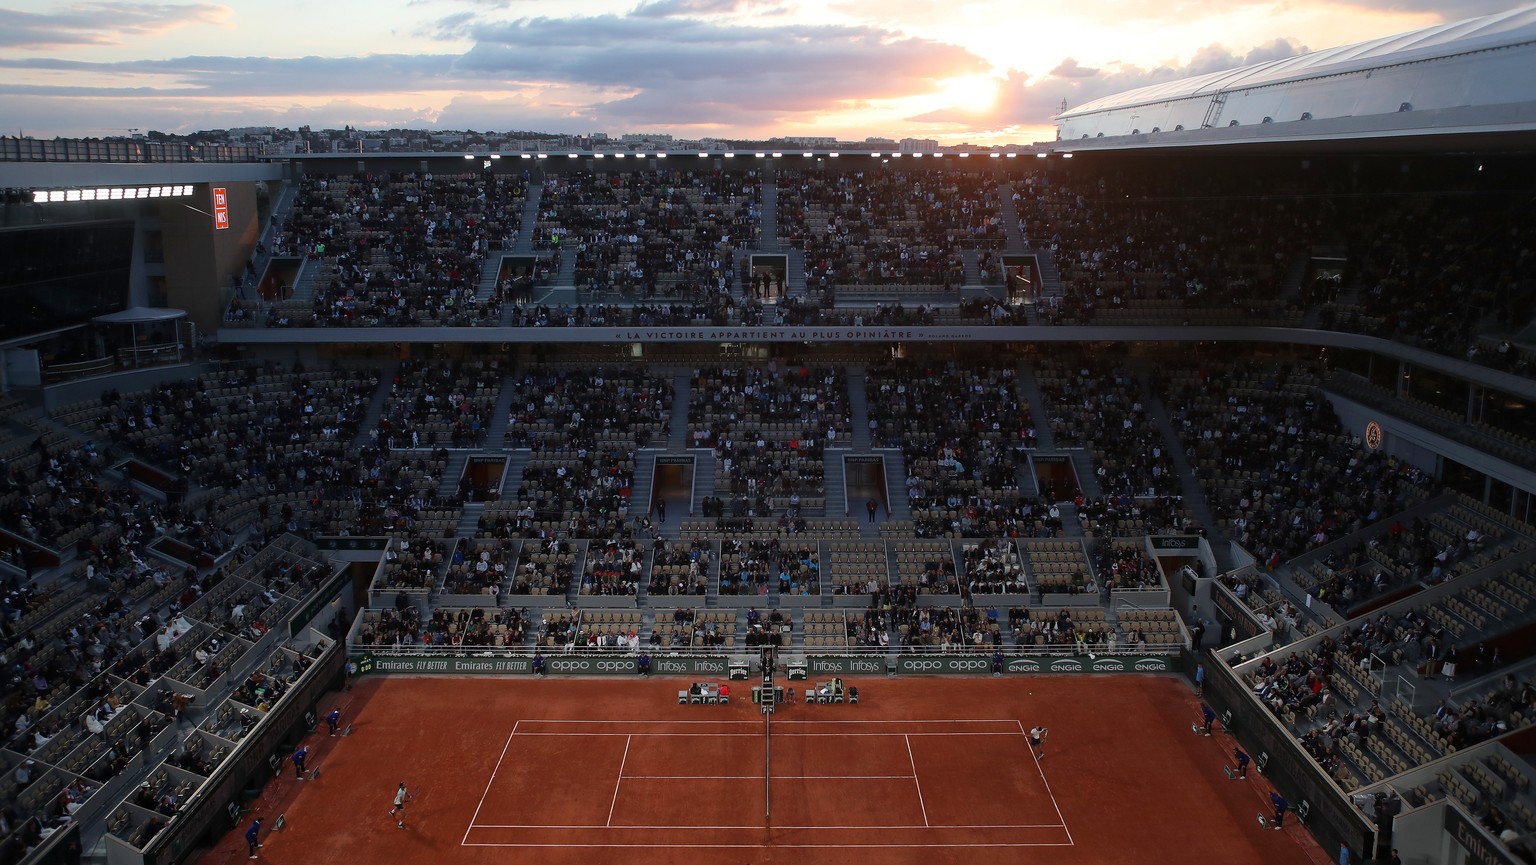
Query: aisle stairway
{"type": "Point", "coordinates": [1194, 495]}
{"type": "Point", "coordinates": [858, 408]}
{"type": "Point", "coordinates": [1027, 386]}
{"type": "Point", "coordinates": [370, 423]}
{"type": "Point", "coordinates": [682, 398]}
{"type": "Point", "coordinates": [769, 215]}
{"type": "Point", "coordinates": [530, 220]}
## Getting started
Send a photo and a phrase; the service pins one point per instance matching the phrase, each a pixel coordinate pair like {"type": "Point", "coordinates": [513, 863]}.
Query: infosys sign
{"type": "Point", "coordinates": [818, 664]}
{"type": "Point", "coordinates": [951, 664]}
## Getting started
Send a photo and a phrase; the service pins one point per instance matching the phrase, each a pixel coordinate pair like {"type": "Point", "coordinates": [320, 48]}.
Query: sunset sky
{"type": "Point", "coordinates": [983, 71]}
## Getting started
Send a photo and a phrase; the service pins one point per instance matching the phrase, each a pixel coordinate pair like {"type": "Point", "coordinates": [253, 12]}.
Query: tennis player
{"type": "Point", "coordinates": [1037, 741]}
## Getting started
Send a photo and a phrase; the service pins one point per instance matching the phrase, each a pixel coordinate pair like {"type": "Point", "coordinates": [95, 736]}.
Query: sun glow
{"type": "Point", "coordinates": [968, 92]}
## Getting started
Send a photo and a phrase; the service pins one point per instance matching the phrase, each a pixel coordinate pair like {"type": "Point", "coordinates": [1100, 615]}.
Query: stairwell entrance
{"type": "Point", "coordinates": [671, 489]}
{"type": "Point", "coordinates": [864, 482]}
{"type": "Point", "coordinates": [482, 477]}
{"type": "Point", "coordinates": [1055, 477]}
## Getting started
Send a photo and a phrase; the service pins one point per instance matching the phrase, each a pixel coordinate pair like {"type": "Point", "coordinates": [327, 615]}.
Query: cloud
{"type": "Point", "coordinates": [1024, 101]}
{"type": "Point", "coordinates": [693, 8]}
{"type": "Point", "coordinates": [104, 23]}
{"type": "Point", "coordinates": [631, 67]}
{"type": "Point", "coordinates": [1069, 68]}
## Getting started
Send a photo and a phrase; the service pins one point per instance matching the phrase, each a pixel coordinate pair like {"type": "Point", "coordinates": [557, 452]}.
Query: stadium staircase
{"type": "Point", "coordinates": [530, 220]}
{"type": "Point", "coordinates": [858, 408]}
{"type": "Point", "coordinates": [578, 567]}
{"type": "Point", "coordinates": [512, 478]}
{"type": "Point", "coordinates": [835, 483]}
{"type": "Point", "coordinates": [640, 485]}
{"type": "Point", "coordinates": [567, 275]}
{"type": "Point", "coordinates": [1071, 521]}
{"type": "Point", "coordinates": [309, 274]}
{"type": "Point", "coordinates": [1015, 242]}
{"type": "Point", "coordinates": [1050, 277]}
{"type": "Point", "coordinates": [794, 284]}
{"type": "Point", "coordinates": [768, 217]}
{"type": "Point", "coordinates": [469, 519]}
{"type": "Point", "coordinates": [1291, 288]}
{"type": "Point", "coordinates": [971, 259]}
{"type": "Point", "coordinates": [711, 594]}
{"type": "Point", "coordinates": [269, 232]}
{"type": "Point", "coordinates": [489, 272]}
{"type": "Point", "coordinates": [1194, 496]}
{"type": "Point", "coordinates": [496, 429]}
{"type": "Point", "coordinates": [1027, 387]}
{"type": "Point", "coordinates": [453, 471]}
{"type": "Point", "coordinates": [1087, 480]}
{"type": "Point", "coordinates": [682, 397]}
{"type": "Point", "coordinates": [703, 485]}
{"type": "Point", "coordinates": [896, 484]}
{"type": "Point", "coordinates": [387, 373]}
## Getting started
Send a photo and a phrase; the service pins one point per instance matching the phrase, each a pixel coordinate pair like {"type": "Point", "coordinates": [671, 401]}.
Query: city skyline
{"type": "Point", "coordinates": [981, 72]}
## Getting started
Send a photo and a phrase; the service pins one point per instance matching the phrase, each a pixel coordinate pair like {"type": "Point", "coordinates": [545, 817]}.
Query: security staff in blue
{"type": "Point", "coordinates": [299, 757]}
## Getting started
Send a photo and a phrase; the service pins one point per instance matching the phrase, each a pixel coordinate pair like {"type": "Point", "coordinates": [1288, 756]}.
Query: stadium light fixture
{"type": "Point", "coordinates": [572, 155]}
{"type": "Point", "coordinates": [703, 152]}
{"type": "Point", "coordinates": [965, 156]}
{"type": "Point", "coordinates": [619, 155]}
{"type": "Point", "coordinates": [917, 156]}
{"type": "Point", "coordinates": [599, 156]}
{"type": "Point", "coordinates": [661, 156]}
{"type": "Point", "coordinates": [759, 154]}
{"type": "Point", "coordinates": [729, 155]}
{"type": "Point", "coordinates": [875, 154]}
{"type": "Point", "coordinates": [897, 155]}
{"type": "Point", "coordinates": [807, 154]}
{"type": "Point", "coordinates": [1041, 155]}
{"type": "Point", "coordinates": [543, 155]}
{"type": "Point", "coordinates": [495, 155]}
{"type": "Point", "coordinates": [833, 154]}
{"type": "Point", "coordinates": [527, 155]}
{"type": "Point", "coordinates": [469, 156]}
{"type": "Point", "coordinates": [996, 155]}
{"type": "Point", "coordinates": [1066, 156]}
{"type": "Point", "coordinates": [777, 154]}
{"type": "Point", "coordinates": [110, 193]}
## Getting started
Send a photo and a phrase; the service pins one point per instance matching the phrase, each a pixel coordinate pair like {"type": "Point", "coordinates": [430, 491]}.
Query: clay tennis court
{"type": "Point", "coordinates": [932, 770]}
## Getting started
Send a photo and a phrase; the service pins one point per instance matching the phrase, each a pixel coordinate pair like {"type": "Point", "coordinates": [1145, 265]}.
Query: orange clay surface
{"type": "Point", "coordinates": [923, 770]}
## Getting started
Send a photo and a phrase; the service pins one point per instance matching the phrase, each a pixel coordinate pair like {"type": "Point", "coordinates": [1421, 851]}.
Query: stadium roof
{"type": "Point", "coordinates": [1451, 70]}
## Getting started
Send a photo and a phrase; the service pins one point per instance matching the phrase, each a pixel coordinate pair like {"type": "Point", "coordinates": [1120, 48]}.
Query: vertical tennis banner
{"type": "Point", "coordinates": [220, 208]}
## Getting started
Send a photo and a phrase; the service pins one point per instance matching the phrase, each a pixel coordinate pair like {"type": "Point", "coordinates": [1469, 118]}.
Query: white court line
{"type": "Point", "coordinates": [650, 826]}
{"type": "Point", "coordinates": [776, 777]}
{"type": "Point", "coordinates": [943, 721]}
{"type": "Point", "coordinates": [776, 844]}
{"type": "Point", "coordinates": [915, 780]}
{"type": "Point", "coordinates": [1048, 792]}
{"type": "Point", "coordinates": [688, 735]}
{"type": "Point", "coordinates": [1013, 721]}
{"type": "Point", "coordinates": [618, 781]}
{"type": "Point", "coordinates": [489, 782]}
